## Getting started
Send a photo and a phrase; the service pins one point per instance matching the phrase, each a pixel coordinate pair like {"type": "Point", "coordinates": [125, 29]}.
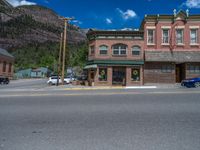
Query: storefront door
{"type": "Point", "coordinates": [119, 76]}
{"type": "Point", "coordinates": [180, 72]}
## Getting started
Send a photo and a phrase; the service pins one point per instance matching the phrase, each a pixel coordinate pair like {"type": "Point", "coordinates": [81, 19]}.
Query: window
{"type": "Point", "coordinates": [150, 36]}
{"type": "Point", "coordinates": [4, 66]}
{"type": "Point", "coordinates": [102, 74]}
{"type": "Point", "coordinates": [92, 50]}
{"type": "Point", "coordinates": [103, 50]}
{"type": "Point", "coordinates": [135, 75]}
{"type": "Point", "coordinates": [10, 68]}
{"type": "Point", "coordinates": [194, 69]}
{"type": "Point", "coordinates": [179, 36]}
{"type": "Point", "coordinates": [136, 50]}
{"type": "Point", "coordinates": [165, 36]}
{"type": "Point", "coordinates": [166, 68]}
{"type": "Point", "coordinates": [119, 49]}
{"type": "Point", "coordinates": [193, 36]}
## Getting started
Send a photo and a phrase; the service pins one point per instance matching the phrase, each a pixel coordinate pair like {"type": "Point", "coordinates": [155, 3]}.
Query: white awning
{"type": "Point", "coordinates": [90, 67]}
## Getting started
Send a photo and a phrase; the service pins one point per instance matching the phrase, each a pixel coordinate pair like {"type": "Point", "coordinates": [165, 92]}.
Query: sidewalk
{"type": "Point", "coordinates": [146, 86]}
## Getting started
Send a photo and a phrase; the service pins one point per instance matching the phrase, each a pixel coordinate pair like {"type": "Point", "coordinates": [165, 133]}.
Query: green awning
{"type": "Point", "coordinates": [94, 66]}
{"type": "Point", "coordinates": [115, 62]}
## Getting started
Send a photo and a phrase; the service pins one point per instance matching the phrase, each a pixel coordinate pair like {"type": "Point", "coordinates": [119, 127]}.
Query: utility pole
{"type": "Point", "coordinates": [59, 59]}
{"type": "Point", "coordinates": [60, 52]}
{"type": "Point", "coordinates": [64, 46]}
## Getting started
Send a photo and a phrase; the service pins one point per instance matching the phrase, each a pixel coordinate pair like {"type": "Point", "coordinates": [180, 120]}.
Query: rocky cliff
{"type": "Point", "coordinates": [33, 24]}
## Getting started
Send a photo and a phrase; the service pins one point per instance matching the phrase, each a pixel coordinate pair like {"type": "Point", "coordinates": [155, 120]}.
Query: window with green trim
{"type": "Point", "coordinates": [103, 50]}
{"type": "Point", "coordinates": [136, 50]}
{"type": "Point", "coordinates": [135, 74]}
{"type": "Point", "coordinates": [102, 74]}
{"type": "Point", "coordinates": [119, 49]}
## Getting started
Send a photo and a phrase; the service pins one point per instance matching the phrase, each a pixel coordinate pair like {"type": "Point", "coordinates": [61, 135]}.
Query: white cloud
{"type": "Point", "coordinates": [77, 22]}
{"type": "Point", "coordinates": [16, 3]}
{"type": "Point", "coordinates": [127, 29]}
{"type": "Point", "coordinates": [192, 3]}
{"type": "Point", "coordinates": [108, 21]}
{"type": "Point", "coordinates": [128, 14]}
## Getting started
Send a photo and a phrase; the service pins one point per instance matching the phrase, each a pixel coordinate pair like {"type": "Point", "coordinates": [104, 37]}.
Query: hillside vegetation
{"type": "Point", "coordinates": [32, 35]}
{"type": "Point", "coordinates": [47, 54]}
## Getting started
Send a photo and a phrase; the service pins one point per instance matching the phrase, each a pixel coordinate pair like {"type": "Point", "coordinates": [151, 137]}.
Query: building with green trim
{"type": "Point", "coordinates": [166, 49]}
{"type": "Point", "coordinates": [115, 58]}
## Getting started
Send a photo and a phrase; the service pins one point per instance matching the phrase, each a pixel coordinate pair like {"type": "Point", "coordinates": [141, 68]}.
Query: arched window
{"type": "Point", "coordinates": [103, 50]}
{"type": "Point", "coordinates": [119, 49]}
{"type": "Point", "coordinates": [136, 50]}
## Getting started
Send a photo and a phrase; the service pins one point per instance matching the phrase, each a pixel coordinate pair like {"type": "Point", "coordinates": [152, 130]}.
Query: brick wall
{"type": "Point", "coordinates": [103, 83]}
{"type": "Point", "coordinates": [153, 73]}
{"type": "Point", "coordinates": [110, 42]}
{"type": "Point", "coordinates": [172, 34]}
{"type": "Point", "coordinates": [129, 81]}
{"type": "Point", "coordinates": [189, 74]}
{"type": "Point", "coordinates": [8, 61]}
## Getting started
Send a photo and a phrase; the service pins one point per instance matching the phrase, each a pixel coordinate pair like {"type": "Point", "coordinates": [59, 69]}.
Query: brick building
{"type": "Point", "coordinates": [166, 49]}
{"type": "Point", "coordinates": [116, 57]}
{"type": "Point", "coordinates": [6, 63]}
{"type": "Point", "coordinates": [172, 47]}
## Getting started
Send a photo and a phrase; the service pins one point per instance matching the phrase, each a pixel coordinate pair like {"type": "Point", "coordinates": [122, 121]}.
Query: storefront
{"type": "Point", "coordinates": [125, 73]}
{"type": "Point", "coordinates": [167, 67]}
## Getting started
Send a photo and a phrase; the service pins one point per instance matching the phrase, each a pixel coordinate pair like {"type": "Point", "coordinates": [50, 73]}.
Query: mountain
{"type": "Point", "coordinates": [24, 25]}
{"type": "Point", "coordinates": [32, 35]}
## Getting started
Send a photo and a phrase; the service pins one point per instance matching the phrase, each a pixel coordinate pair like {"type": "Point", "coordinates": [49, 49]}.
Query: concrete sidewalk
{"type": "Point", "coordinates": [146, 86]}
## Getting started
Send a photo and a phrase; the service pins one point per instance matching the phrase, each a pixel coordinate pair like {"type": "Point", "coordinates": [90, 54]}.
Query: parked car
{"type": "Point", "coordinates": [4, 80]}
{"type": "Point", "coordinates": [82, 78]}
{"type": "Point", "coordinates": [193, 82]}
{"type": "Point", "coordinates": [71, 76]}
{"type": "Point", "coordinates": [54, 79]}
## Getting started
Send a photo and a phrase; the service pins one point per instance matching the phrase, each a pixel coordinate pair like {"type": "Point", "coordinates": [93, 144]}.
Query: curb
{"type": "Point", "coordinates": [111, 88]}
{"type": "Point", "coordinates": [141, 87]}
{"type": "Point", "coordinates": [94, 88]}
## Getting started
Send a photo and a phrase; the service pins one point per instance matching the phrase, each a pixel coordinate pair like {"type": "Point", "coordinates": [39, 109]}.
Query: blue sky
{"type": "Point", "coordinates": [112, 14]}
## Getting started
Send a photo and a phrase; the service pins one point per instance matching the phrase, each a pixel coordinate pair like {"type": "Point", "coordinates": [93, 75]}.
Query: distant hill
{"type": "Point", "coordinates": [32, 35]}
{"type": "Point", "coordinates": [27, 24]}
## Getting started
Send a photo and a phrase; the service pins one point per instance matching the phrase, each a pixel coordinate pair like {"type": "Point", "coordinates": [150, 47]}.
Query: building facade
{"type": "Point", "coordinates": [6, 64]}
{"type": "Point", "coordinates": [172, 47]}
{"type": "Point", "coordinates": [166, 49]}
{"type": "Point", "coordinates": [115, 57]}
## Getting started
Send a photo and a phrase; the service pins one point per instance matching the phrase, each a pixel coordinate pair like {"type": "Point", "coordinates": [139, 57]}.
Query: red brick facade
{"type": "Point", "coordinates": [6, 66]}
{"type": "Point", "coordinates": [169, 49]}
{"type": "Point", "coordinates": [180, 70]}
{"type": "Point", "coordinates": [118, 68]}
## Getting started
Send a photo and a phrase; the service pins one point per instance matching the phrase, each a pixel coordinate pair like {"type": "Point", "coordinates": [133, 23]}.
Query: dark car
{"type": "Point", "coordinates": [193, 82]}
{"type": "Point", "coordinates": [82, 78]}
{"type": "Point", "coordinates": [4, 80]}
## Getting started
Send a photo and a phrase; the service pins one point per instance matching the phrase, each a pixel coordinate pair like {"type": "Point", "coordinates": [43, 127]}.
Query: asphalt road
{"type": "Point", "coordinates": [115, 121]}
{"type": "Point", "coordinates": [25, 84]}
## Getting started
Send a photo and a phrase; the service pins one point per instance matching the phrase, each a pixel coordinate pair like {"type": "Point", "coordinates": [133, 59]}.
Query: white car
{"type": "Point", "coordinates": [54, 79]}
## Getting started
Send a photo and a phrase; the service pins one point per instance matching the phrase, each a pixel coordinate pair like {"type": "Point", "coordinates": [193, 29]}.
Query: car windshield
{"type": "Point", "coordinates": [55, 77]}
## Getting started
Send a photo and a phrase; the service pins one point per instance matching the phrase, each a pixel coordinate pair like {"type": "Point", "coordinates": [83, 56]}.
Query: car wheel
{"type": "Point", "coordinates": [197, 84]}
{"type": "Point", "coordinates": [50, 83]}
